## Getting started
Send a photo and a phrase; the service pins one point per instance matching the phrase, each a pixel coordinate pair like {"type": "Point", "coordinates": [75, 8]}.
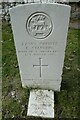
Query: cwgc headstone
{"type": "Point", "coordinates": [40, 33]}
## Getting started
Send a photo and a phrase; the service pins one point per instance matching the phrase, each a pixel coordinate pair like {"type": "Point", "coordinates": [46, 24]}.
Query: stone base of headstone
{"type": "Point", "coordinates": [41, 104]}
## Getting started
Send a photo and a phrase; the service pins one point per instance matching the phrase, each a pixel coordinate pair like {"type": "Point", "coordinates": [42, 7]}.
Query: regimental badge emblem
{"type": "Point", "coordinates": [39, 25]}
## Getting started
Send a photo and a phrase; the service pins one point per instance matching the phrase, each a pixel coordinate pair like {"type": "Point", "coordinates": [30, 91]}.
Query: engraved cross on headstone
{"type": "Point", "coordinates": [40, 66]}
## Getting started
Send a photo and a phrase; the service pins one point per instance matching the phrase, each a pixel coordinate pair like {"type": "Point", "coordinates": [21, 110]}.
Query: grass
{"type": "Point", "coordinates": [15, 98]}
{"type": "Point", "coordinates": [12, 105]}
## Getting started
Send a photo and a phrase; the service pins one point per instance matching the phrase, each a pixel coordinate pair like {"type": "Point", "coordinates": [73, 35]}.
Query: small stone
{"type": "Point", "coordinates": [74, 51]}
{"type": "Point", "coordinates": [78, 69]}
{"type": "Point", "coordinates": [22, 106]}
{"type": "Point", "coordinates": [19, 101]}
{"type": "Point", "coordinates": [13, 116]}
{"type": "Point", "coordinates": [16, 66]}
{"type": "Point", "coordinates": [13, 94]}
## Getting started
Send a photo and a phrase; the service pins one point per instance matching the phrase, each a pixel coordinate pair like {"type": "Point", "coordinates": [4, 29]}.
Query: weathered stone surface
{"type": "Point", "coordinates": [40, 33]}
{"type": "Point", "coordinates": [41, 103]}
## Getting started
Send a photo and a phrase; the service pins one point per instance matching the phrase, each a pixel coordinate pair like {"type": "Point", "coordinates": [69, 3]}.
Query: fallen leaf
{"type": "Point", "coordinates": [68, 68]}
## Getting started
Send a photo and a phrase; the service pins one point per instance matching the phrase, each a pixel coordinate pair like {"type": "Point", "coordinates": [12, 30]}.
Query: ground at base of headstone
{"type": "Point", "coordinates": [15, 98]}
{"type": "Point", "coordinates": [74, 24]}
{"type": "Point", "coordinates": [38, 118]}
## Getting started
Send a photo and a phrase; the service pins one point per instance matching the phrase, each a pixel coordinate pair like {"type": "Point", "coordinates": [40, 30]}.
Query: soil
{"type": "Point", "coordinates": [75, 25]}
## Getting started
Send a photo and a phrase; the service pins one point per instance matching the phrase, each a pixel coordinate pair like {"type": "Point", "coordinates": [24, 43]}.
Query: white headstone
{"type": "Point", "coordinates": [40, 33]}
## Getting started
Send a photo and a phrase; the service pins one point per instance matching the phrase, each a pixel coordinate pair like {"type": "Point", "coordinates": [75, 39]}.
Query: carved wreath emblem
{"type": "Point", "coordinates": [39, 25]}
